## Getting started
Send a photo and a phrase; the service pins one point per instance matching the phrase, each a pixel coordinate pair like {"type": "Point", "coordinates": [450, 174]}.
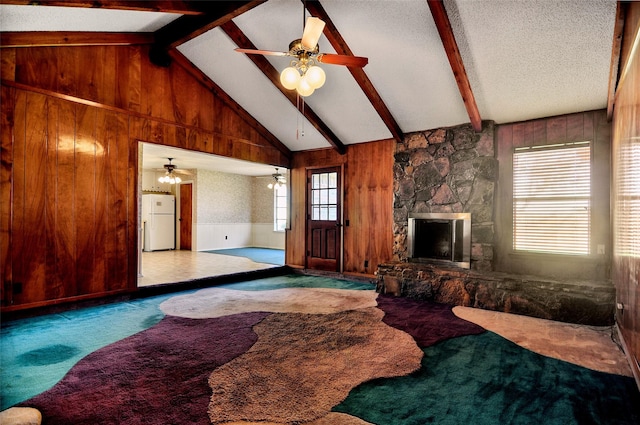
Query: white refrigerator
{"type": "Point", "coordinates": [158, 218]}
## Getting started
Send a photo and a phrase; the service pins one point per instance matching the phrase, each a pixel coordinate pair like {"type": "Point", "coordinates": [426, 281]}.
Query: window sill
{"type": "Point", "coordinates": [541, 256]}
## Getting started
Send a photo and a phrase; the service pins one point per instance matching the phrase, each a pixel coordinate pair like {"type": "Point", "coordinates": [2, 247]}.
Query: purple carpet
{"type": "Point", "coordinates": [157, 376]}
{"type": "Point", "coordinates": [428, 323]}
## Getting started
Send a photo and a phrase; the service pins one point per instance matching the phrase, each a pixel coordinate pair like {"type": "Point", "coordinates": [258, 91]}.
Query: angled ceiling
{"type": "Point", "coordinates": [523, 60]}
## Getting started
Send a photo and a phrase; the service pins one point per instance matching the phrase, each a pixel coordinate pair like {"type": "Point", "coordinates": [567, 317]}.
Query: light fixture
{"type": "Point", "coordinates": [303, 74]}
{"type": "Point", "coordinates": [279, 180]}
{"type": "Point", "coordinates": [170, 176]}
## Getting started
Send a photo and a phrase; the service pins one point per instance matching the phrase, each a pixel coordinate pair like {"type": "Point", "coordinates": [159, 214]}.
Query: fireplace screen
{"type": "Point", "coordinates": [441, 237]}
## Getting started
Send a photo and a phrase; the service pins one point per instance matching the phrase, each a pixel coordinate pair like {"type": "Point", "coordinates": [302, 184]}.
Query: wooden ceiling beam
{"type": "Point", "coordinates": [616, 50]}
{"type": "Point", "coordinates": [70, 38]}
{"type": "Point", "coordinates": [242, 41]}
{"type": "Point", "coordinates": [185, 63]}
{"type": "Point", "coordinates": [455, 60]}
{"type": "Point", "coordinates": [341, 47]}
{"type": "Point", "coordinates": [167, 6]}
{"type": "Point", "coordinates": [186, 28]}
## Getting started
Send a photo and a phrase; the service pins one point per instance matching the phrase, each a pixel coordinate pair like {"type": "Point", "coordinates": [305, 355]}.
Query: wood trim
{"type": "Point", "coordinates": [59, 301]}
{"type": "Point", "coordinates": [186, 28]}
{"type": "Point", "coordinates": [241, 40]}
{"type": "Point", "coordinates": [455, 60]}
{"type": "Point", "coordinates": [167, 6]}
{"type": "Point", "coordinates": [630, 56]}
{"type": "Point", "coordinates": [195, 72]}
{"type": "Point", "coordinates": [341, 47]}
{"type": "Point", "coordinates": [86, 102]}
{"type": "Point", "coordinates": [616, 50]}
{"type": "Point", "coordinates": [71, 38]}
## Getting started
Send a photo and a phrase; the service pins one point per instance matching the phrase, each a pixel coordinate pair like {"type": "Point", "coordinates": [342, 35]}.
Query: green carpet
{"type": "Point", "coordinates": [485, 379]}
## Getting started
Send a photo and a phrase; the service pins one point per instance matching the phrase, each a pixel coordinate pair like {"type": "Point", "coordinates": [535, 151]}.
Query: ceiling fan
{"type": "Point", "coordinates": [303, 74]}
{"type": "Point", "coordinates": [170, 173]}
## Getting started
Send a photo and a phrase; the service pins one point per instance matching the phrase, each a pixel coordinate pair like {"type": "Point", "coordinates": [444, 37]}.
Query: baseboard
{"type": "Point", "coordinates": [633, 363]}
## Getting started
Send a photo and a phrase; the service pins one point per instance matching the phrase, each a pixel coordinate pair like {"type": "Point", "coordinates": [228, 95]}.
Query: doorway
{"type": "Point", "coordinates": [185, 216]}
{"type": "Point", "coordinates": [324, 219]}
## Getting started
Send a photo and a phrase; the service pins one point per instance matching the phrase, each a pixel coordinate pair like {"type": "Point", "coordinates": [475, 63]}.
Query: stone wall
{"type": "Point", "coordinates": [583, 302]}
{"type": "Point", "coordinates": [447, 170]}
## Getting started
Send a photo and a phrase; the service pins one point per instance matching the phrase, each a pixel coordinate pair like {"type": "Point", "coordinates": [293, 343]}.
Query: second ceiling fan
{"type": "Point", "coordinates": [303, 74]}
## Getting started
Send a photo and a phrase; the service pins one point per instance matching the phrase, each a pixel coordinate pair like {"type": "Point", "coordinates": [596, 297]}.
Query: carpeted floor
{"type": "Point", "coordinates": [258, 255]}
{"type": "Point", "coordinates": [293, 350]}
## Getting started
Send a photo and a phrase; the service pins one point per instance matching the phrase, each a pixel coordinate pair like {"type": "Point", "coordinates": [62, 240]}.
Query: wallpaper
{"type": "Point", "coordinates": [232, 198]}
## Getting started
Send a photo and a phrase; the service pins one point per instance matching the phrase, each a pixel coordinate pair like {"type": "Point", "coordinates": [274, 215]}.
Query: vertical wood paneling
{"type": "Point", "coordinates": [120, 207]}
{"type": "Point", "coordinates": [8, 64]}
{"type": "Point", "coordinates": [626, 132]}
{"type": "Point", "coordinates": [103, 139]}
{"type": "Point", "coordinates": [557, 129]}
{"type": "Point", "coordinates": [18, 244]}
{"type": "Point", "coordinates": [54, 286]}
{"type": "Point", "coordinates": [67, 70]}
{"type": "Point", "coordinates": [85, 201]}
{"type": "Point", "coordinates": [66, 211]}
{"type": "Point", "coordinates": [575, 128]}
{"type": "Point", "coordinates": [7, 111]}
{"type": "Point", "coordinates": [34, 231]}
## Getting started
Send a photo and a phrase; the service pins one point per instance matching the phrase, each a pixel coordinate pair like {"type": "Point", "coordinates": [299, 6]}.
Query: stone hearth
{"type": "Point", "coordinates": [588, 303]}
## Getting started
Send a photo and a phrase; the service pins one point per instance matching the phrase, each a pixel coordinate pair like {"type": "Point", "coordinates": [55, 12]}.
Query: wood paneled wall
{"type": "Point", "coordinates": [626, 134]}
{"type": "Point", "coordinates": [71, 121]}
{"type": "Point", "coordinates": [368, 204]}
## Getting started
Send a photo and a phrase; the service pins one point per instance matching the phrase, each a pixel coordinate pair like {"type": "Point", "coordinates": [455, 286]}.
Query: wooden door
{"type": "Point", "coordinates": [186, 209]}
{"type": "Point", "coordinates": [324, 236]}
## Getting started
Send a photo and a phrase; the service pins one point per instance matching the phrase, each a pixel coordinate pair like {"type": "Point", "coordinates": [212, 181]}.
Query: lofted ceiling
{"type": "Point", "coordinates": [519, 60]}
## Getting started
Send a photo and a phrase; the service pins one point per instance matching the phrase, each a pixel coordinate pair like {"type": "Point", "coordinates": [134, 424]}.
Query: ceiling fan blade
{"type": "Point", "coordinates": [356, 61]}
{"type": "Point", "coordinates": [261, 52]}
{"type": "Point", "coordinates": [312, 32]}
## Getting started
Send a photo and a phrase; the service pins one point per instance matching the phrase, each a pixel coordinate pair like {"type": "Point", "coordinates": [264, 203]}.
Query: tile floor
{"type": "Point", "coordinates": [162, 267]}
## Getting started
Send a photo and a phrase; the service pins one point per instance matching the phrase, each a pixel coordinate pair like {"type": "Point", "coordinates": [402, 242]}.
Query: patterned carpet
{"type": "Point", "coordinates": [294, 350]}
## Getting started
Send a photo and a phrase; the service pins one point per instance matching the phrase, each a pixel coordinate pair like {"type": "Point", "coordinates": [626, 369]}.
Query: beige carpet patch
{"type": "Point", "coordinates": [304, 364]}
{"type": "Point", "coordinates": [563, 341]}
{"type": "Point", "coordinates": [331, 419]}
{"type": "Point", "coordinates": [218, 302]}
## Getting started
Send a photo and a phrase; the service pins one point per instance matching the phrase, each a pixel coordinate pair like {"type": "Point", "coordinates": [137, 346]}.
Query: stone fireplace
{"type": "Point", "coordinates": [447, 171]}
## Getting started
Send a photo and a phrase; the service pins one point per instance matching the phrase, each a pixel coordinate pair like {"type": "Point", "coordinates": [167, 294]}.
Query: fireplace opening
{"type": "Point", "coordinates": [440, 237]}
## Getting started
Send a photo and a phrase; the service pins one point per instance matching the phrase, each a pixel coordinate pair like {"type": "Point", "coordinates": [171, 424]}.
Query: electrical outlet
{"type": "Point", "coordinates": [601, 249]}
{"type": "Point", "coordinates": [226, 237]}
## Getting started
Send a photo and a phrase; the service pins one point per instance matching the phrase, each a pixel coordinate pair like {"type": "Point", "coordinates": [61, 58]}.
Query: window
{"type": "Point", "coordinates": [280, 208]}
{"type": "Point", "coordinates": [324, 196]}
{"type": "Point", "coordinates": [552, 199]}
{"type": "Point", "coordinates": [627, 213]}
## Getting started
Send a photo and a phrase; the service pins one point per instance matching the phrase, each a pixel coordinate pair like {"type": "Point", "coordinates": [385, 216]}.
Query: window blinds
{"type": "Point", "coordinates": [627, 212]}
{"type": "Point", "coordinates": [551, 198]}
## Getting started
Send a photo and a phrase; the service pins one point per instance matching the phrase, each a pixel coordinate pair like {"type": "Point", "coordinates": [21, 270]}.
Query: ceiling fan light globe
{"type": "Point", "coordinates": [178, 179]}
{"type": "Point", "coordinates": [289, 78]}
{"type": "Point", "coordinates": [316, 77]}
{"type": "Point", "coordinates": [304, 89]}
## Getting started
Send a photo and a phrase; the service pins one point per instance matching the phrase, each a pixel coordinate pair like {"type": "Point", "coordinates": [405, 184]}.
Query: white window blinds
{"type": "Point", "coordinates": [627, 213]}
{"type": "Point", "coordinates": [551, 198]}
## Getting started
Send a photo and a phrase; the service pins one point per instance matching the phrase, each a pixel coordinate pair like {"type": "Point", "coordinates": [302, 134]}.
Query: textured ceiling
{"type": "Point", "coordinates": [525, 60]}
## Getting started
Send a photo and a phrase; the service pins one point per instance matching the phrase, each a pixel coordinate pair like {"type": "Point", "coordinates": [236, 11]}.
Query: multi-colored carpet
{"type": "Point", "coordinates": [308, 350]}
